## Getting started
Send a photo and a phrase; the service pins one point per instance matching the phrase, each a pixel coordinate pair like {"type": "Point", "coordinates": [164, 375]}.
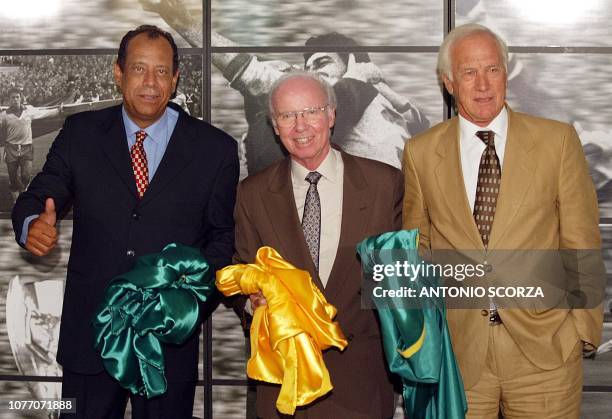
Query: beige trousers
{"type": "Point", "coordinates": [511, 385]}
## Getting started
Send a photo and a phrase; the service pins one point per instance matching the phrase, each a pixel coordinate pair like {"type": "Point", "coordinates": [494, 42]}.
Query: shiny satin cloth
{"type": "Point", "coordinates": [156, 302]}
{"type": "Point", "coordinates": [289, 333]}
{"type": "Point", "coordinates": [417, 342]}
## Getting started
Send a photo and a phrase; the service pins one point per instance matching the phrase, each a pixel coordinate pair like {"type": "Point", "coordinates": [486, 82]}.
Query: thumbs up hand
{"type": "Point", "coordinates": [42, 234]}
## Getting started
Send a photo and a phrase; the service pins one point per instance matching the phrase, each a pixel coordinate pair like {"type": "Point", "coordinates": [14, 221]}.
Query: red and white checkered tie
{"type": "Point", "coordinates": [139, 163]}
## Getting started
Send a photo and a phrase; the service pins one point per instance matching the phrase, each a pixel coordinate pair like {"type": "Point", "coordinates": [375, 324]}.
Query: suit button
{"type": "Point", "coordinates": [135, 215]}
{"type": "Point", "coordinates": [487, 266]}
{"type": "Point", "coordinates": [350, 337]}
{"type": "Point", "coordinates": [484, 312]}
{"type": "Point", "coordinates": [130, 253]}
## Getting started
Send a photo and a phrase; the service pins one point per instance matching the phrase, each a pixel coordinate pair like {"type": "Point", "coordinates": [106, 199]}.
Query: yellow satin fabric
{"type": "Point", "coordinates": [290, 331]}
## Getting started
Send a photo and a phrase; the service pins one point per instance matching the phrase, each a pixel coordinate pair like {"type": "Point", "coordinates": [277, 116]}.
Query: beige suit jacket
{"type": "Point", "coordinates": [266, 214]}
{"type": "Point", "coordinates": [546, 201]}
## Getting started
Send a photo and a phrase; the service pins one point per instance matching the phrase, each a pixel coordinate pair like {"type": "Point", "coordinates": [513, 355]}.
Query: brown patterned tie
{"type": "Point", "coordinates": [487, 189]}
{"type": "Point", "coordinates": [139, 163]}
{"type": "Point", "coordinates": [311, 219]}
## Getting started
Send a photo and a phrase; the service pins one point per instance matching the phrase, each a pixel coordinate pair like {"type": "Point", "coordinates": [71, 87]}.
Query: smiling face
{"type": "Point", "coordinates": [308, 143]}
{"type": "Point", "coordinates": [329, 65]}
{"type": "Point", "coordinates": [479, 78]}
{"type": "Point", "coordinates": [146, 81]}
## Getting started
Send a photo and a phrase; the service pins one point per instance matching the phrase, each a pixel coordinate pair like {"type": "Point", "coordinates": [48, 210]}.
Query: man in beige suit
{"type": "Point", "coordinates": [525, 363]}
{"type": "Point", "coordinates": [357, 198]}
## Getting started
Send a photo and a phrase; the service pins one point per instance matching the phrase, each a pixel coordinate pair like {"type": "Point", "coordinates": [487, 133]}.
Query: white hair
{"type": "Point", "coordinates": [445, 65]}
{"type": "Point", "coordinates": [325, 86]}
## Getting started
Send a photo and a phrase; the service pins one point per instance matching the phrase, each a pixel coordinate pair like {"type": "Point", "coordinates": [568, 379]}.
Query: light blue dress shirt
{"type": "Point", "coordinates": [158, 137]}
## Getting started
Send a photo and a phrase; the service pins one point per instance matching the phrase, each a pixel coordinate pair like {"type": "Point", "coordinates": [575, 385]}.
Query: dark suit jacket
{"type": "Point", "coordinates": [266, 214]}
{"type": "Point", "coordinates": [189, 201]}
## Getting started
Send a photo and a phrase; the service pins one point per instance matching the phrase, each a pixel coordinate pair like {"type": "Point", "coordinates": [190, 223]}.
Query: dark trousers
{"type": "Point", "coordinates": [100, 396]}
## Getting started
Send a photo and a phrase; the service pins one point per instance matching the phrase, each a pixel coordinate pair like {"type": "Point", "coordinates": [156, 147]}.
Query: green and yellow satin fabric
{"type": "Point", "coordinates": [156, 302]}
{"type": "Point", "coordinates": [290, 331]}
{"type": "Point", "coordinates": [416, 341]}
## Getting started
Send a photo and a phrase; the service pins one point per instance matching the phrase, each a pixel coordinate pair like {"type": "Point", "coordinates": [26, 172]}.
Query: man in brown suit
{"type": "Point", "coordinates": [525, 363]}
{"type": "Point", "coordinates": [356, 198]}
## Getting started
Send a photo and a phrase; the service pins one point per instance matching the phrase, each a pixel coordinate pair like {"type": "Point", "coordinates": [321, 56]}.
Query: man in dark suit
{"type": "Point", "coordinates": [352, 198]}
{"type": "Point", "coordinates": [138, 176]}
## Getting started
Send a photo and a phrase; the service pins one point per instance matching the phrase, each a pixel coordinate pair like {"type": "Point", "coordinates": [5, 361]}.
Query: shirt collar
{"type": "Point", "coordinates": [328, 168]}
{"type": "Point", "coordinates": [499, 125]}
{"type": "Point", "coordinates": [155, 132]}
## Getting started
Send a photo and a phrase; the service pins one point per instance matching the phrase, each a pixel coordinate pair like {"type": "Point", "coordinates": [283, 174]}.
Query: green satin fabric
{"type": "Point", "coordinates": [156, 302]}
{"type": "Point", "coordinates": [416, 341]}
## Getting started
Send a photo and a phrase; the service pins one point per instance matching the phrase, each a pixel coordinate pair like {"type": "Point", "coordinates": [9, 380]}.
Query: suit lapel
{"type": "Point", "coordinates": [356, 212]}
{"type": "Point", "coordinates": [279, 202]}
{"type": "Point", "coordinates": [176, 158]}
{"type": "Point", "coordinates": [518, 168]}
{"type": "Point", "coordinates": [114, 143]}
{"type": "Point", "coordinates": [451, 185]}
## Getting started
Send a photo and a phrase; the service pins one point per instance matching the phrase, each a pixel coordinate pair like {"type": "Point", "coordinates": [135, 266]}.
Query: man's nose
{"type": "Point", "coordinates": [300, 122]}
{"type": "Point", "coordinates": [482, 82]}
{"type": "Point", "coordinates": [149, 78]}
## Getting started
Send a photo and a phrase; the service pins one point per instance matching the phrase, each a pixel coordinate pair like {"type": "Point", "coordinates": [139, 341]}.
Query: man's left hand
{"type": "Point", "coordinates": [257, 300]}
{"type": "Point", "coordinates": [365, 72]}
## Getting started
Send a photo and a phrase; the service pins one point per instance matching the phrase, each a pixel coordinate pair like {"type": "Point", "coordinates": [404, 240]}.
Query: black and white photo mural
{"type": "Point", "coordinates": [85, 24]}
{"type": "Point", "coordinates": [56, 59]}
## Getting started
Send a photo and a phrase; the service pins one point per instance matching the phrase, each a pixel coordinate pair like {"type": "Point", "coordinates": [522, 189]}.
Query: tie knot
{"type": "Point", "coordinates": [313, 177]}
{"type": "Point", "coordinates": [486, 136]}
{"type": "Point", "coordinates": [140, 136]}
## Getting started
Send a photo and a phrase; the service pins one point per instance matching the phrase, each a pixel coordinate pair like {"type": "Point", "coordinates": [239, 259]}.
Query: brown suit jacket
{"type": "Point", "coordinates": [266, 215]}
{"type": "Point", "coordinates": [546, 201]}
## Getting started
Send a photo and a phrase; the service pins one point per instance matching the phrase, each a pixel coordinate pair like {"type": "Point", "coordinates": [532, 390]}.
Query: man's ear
{"type": "Point", "coordinates": [274, 126]}
{"type": "Point", "coordinates": [331, 114]}
{"type": "Point", "coordinates": [175, 79]}
{"type": "Point", "coordinates": [448, 84]}
{"type": "Point", "coordinates": [118, 74]}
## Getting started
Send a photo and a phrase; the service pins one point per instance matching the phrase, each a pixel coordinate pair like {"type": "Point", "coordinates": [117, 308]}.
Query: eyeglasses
{"type": "Point", "coordinates": [310, 115]}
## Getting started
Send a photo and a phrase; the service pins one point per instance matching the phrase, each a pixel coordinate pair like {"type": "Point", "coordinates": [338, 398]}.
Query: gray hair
{"type": "Point", "coordinates": [445, 65]}
{"type": "Point", "coordinates": [325, 86]}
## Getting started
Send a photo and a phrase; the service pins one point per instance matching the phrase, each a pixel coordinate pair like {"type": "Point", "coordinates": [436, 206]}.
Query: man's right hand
{"type": "Point", "coordinates": [42, 234]}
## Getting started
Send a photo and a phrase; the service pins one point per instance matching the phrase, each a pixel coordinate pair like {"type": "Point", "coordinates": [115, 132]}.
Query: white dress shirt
{"type": "Point", "coordinates": [471, 148]}
{"type": "Point", "coordinates": [330, 189]}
